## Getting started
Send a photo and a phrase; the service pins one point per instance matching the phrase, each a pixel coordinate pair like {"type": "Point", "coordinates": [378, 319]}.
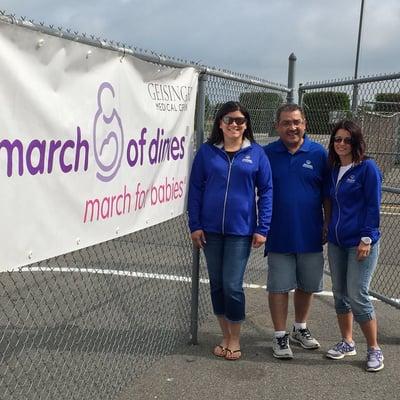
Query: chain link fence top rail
{"type": "Point", "coordinates": [85, 324]}
{"type": "Point", "coordinates": [373, 102]}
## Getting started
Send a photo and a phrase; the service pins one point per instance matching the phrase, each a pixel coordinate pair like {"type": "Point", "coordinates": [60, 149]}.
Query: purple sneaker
{"type": "Point", "coordinates": [341, 350]}
{"type": "Point", "coordinates": [374, 360]}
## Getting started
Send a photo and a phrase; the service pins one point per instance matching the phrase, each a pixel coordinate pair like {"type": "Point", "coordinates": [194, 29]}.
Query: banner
{"type": "Point", "coordinates": [93, 144]}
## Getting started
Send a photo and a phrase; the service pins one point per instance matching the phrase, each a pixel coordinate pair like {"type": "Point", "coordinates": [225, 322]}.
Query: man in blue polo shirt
{"type": "Point", "coordinates": [294, 245]}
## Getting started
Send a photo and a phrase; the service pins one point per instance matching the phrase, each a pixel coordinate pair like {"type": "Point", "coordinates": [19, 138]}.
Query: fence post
{"type": "Point", "coordinates": [354, 101]}
{"type": "Point", "coordinates": [199, 123]}
{"type": "Point", "coordinates": [291, 78]}
{"type": "Point", "coordinates": [300, 95]}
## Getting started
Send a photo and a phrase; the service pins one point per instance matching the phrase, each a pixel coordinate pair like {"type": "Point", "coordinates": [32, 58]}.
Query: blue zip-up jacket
{"type": "Point", "coordinates": [356, 200]}
{"type": "Point", "coordinates": [222, 192]}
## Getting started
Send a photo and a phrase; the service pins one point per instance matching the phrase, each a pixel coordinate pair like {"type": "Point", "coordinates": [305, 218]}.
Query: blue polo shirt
{"type": "Point", "coordinates": [298, 180]}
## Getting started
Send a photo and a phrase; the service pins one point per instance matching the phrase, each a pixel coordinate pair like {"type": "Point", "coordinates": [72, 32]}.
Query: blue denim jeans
{"type": "Point", "coordinates": [351, 279]}
{"type": "Point", "coordinates": [227, 258]}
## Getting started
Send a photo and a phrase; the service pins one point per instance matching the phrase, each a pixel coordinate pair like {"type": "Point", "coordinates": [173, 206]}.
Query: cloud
{"type": "Point", "coordinates": [255, 37]}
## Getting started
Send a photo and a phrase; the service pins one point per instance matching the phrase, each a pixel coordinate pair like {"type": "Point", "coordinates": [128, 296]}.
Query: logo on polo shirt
{"type": "Point", "coordinates": [247, 159]}
{"type": "Point", "coordinates": [351, 179]}
{"type": "Point", "coordinates": [308, 165]}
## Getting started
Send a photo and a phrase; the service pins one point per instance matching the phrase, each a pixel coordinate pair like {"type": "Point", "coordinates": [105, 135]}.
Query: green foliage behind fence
{"type": "Point", "coordinates": [320, 106]}
{"type": "Point", "coordinates": [387, 102]}
{"type": "Point", "coordinates": [262, 107]}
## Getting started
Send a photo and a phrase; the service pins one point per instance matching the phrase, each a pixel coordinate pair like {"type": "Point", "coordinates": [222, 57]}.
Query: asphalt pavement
{"type": "Point", "coordinates": [192, 372]}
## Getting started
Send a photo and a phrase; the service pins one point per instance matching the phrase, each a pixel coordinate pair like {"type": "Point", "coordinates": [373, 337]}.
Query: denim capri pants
{"type": "Point", "coordinates": [351, 279]}
{"type": "Point", "coordinates": [226, 257]}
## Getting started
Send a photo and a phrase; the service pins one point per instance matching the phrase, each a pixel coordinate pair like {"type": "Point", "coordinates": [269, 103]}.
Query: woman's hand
{"type": "Point", "coordinates": [258, 240]}
{"type": "Point", "coordinates": [198, 238]}
{"type": "Point", "coordinates": [363, 251]}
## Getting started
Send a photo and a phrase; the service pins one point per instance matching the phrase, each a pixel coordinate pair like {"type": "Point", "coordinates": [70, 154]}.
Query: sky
{"type": "Point", "coordinates": [253, 37]}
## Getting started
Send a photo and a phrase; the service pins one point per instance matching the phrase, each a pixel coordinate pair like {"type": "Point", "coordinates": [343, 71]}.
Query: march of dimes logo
{"type": "Point", "coordinates": [111, 145]}
{"type": "Point", "coordinates": [108, 148]}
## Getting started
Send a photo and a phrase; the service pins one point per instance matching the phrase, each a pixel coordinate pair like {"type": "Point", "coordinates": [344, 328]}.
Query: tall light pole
{"type": "Point", "coordinates": [355, 87]}
{"type": "Point", "coordinates": [359, 39]}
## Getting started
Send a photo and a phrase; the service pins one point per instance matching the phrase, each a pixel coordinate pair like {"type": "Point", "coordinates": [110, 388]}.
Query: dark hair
{"type": "Point", "coordinates": [289, 107]}
{"type": "Point", "coordinates": [216, 135]}
{"type": "Point", "coordinates": [357, 142]}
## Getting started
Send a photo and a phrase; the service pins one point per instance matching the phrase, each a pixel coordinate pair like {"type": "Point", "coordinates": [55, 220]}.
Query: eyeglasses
{"type": "Point", "coordinates": [238, 120]}
{"type": "Point", "coordinates": [288, 123]}
{"type": "Point", "coordinates": [339, 139]}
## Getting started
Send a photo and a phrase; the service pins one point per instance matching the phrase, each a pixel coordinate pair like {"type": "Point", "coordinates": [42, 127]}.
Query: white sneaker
{"type": "Point", "coordinates": [281, 347]}
{"type": "Point", "coordinates": [305, 339]}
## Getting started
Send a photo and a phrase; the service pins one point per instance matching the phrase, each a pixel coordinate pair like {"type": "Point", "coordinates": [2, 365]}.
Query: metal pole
{"type": "Point", "coordinates": [291, 78]}
{"type": "Point", "coordinates": [194, 306]}
{"type": "Point", "coordinates": [359, 39]}
{"type": "Point", "coordinates": [347, 82]}
{"type": "Point", "coordinates": [300, 94]}
{"type": "Point", "coordinates": [355, 87]}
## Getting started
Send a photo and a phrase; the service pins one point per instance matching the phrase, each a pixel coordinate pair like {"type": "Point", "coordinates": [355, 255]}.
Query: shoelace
{"type": "Point", "coordinates": [374, 355]}
{"type": "Point", "coordinates": [305, 332]}
{"type": "Point", "coordinates": [283, 341]}
{"type": "Point", "coordinates": [342, 346]}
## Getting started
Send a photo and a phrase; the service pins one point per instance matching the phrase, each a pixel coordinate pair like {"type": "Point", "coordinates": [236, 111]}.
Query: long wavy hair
{"type": "Point", "coordinates": [358, 147]}
{"type": "Point", "coordinates": [217, 136]}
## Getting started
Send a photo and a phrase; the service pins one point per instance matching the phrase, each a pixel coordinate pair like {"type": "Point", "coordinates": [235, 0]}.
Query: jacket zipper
{"type": "Point", "coordinates": [337, 201]}
{"type": "Point", "coordinates": [226, 192]}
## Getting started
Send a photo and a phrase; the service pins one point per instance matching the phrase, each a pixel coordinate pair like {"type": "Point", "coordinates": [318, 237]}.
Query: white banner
{"type": "Point", "coordinates": [93, 145]}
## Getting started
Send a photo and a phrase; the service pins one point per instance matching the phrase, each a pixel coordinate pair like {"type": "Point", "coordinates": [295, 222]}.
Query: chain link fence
{"type": "Point", "coordinates": [85, 324]}
{"type": "Point", "coordinates": [374, 102]}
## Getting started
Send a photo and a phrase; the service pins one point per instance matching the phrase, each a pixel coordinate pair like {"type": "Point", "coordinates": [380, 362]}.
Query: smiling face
{"type": "Point", "coordinates": [231, 126]}
{"type": "Point", "coordinates": [291, 127]}
{"type": "Point", "coordinates": [342, 145]}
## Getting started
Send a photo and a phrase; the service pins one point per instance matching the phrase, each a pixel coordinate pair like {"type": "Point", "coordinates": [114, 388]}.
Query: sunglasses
{"type": "Point", "coordinates": [339, 139]}
{"type": "Point", "coordinates": [238, 120]}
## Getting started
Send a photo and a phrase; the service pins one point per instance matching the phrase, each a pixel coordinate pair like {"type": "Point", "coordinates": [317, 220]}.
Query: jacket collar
{"type": "Point", "coordinates": [246, 143]}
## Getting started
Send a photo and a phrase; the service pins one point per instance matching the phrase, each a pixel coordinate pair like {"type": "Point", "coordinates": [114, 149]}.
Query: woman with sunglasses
{"type": "Point", "coordinates": [225, 217]}
{"type": "Point", "coordinates": [353, 239]}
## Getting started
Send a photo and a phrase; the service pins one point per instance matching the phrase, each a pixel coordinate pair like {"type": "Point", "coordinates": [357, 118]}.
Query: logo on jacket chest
{"type": "Point", "coordinates": [308, 164]}
{"type": "Point", "coordinates": [247, 159]}
{"type": "Point", "coordinates": [351, 179]}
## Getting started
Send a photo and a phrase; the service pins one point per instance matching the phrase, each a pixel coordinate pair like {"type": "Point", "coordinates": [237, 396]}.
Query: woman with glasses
{"type": "Point", "coordinates": [353, 239]}
{"type": "Point", "coordinates": [229, 207]}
